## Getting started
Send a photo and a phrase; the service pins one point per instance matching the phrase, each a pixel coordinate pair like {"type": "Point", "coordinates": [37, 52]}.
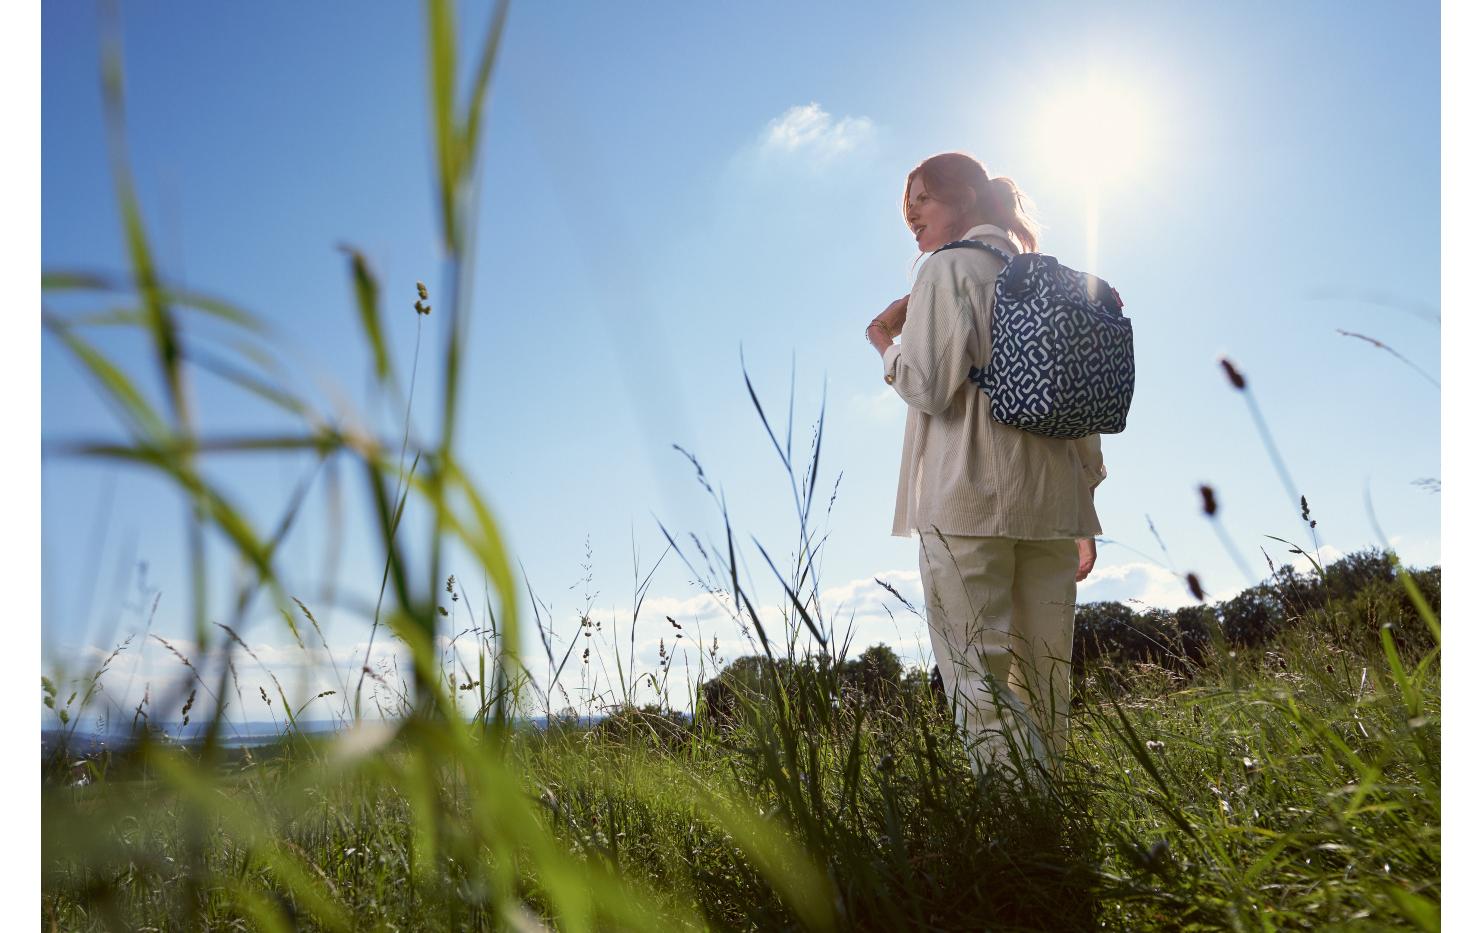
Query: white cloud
{"type": "Point", "coordinates": [883, 407]}
{"type": "Point", "coordinates": [810, 131]}
{"type": "Point", "coordinates": [1143, 585]}
{"type": "Point", "coordinates": [146, 667]}
{"type": "Point", "coordinates": [702, 607]}
{"type": "Point", "coordinates": [859, 610]}
{"type": "Point", "coordinates": [866, 592]}
{"type": "Point", "coordinates": [1416, 551]}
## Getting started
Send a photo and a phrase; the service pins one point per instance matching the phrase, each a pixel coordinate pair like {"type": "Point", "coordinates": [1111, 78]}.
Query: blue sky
{"type": "Point", "coordinates": [661, 191]}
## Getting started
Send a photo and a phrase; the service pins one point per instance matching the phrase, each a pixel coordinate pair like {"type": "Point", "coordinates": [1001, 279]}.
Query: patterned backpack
{"type": "Point", "coordinates": [1062, 350]}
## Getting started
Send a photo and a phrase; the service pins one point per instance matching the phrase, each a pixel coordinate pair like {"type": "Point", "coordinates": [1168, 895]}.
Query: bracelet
{"type": "Point", "coordinates": [875, 324]}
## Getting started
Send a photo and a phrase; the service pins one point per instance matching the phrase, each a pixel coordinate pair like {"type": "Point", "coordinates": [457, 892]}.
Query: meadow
{"type": "Point", "coordinates": [1267, 762]}
{"type": "Point", "coordinates": [1288, 782]}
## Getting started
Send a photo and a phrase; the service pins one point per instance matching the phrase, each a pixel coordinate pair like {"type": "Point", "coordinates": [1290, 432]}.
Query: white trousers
{"type": "Point", "coordinates": [1001, 612]}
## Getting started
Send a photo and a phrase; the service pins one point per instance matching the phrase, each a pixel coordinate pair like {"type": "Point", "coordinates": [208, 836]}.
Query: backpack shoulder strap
{"type": "Point", "coordinates": [979, 244]}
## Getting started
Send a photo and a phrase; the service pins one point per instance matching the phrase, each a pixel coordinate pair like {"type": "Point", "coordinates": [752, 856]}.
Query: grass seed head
{"type": "Point", "coordinates": [1195, 588]}
{"type": "Point", "coordinates": [1236, 377]}
{"type": "Point", "coordinates": [1210, 505]}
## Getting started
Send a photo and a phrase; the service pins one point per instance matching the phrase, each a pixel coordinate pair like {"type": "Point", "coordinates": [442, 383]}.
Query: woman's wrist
{"type": "Point", "coordinates": [878, 336]}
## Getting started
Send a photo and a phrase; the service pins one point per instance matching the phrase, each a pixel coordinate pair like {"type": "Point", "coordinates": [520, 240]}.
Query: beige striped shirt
{"type": "Point", "coordinates": [961, 471]}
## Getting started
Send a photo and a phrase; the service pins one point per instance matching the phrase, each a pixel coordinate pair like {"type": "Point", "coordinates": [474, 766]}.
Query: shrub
{"type": "Point", "coordinates": [873, 678]}
{"type": "Point", "coordinates": [1253, 616]}
{"type": "Point", "coordinates": [650, 724]}
{"type": "Point", "coordinates": [1351, 602]}
{"type": "Point", "coordinates": [743, 682]}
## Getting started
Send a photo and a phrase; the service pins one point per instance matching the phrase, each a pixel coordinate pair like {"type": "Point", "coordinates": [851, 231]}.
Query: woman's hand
{"type": "Point", "coordinates": [887, 325]}
{"type": "Point", "coordinates": [1087, 549]}
{"type": "Point", "coordinates": [894, 317]}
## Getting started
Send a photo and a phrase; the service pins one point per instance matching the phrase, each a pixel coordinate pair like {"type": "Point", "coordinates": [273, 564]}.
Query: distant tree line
{"type": "Point", "coordinates": [1349, 601]}
{"type": "Point", "coordinates": [1351, 598]}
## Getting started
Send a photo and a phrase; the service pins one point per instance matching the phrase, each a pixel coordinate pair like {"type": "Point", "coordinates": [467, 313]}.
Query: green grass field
{"type": "Point", "coordinates": [1269, 763]}
{"type": "Point", "coordinates": [1289, 785]}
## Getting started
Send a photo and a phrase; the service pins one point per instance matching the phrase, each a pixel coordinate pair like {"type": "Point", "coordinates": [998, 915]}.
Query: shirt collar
{"type": "Point", "coordinates": [987, 230]}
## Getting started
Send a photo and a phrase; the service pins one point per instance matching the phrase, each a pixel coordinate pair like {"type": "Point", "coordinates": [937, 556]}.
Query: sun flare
{"type": "Point", "coordinates": [1095, 132]}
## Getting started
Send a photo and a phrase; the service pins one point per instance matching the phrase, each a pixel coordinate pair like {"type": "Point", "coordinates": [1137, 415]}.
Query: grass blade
{"type": "Point", "coordinates": [474, 118]}
{"type": "Point", "coordinates": [71, 281]}
{"type": "Point", "coordinates": [442, 63]}
{"type": "Point", "coordinates": [368, 302]}
{"type": "Point", "coordinates": [115, 385]}
{"type": "Point", "coordinates": [797, 604]}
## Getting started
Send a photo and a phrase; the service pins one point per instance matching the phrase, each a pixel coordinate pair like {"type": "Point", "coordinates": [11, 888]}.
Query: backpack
{"type": "Point", "coordinates": [1062, 350]}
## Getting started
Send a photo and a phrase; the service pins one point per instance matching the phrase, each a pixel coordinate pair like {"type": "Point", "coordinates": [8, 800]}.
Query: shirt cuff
{"type": "Point", "coordinates": [889, 357]}
{"type": "Point", "coordinates": [1094, 477]}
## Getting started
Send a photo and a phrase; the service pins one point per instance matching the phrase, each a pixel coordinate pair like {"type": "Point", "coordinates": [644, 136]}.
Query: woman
{"type": "Point", "coordinates": [1005, 517]}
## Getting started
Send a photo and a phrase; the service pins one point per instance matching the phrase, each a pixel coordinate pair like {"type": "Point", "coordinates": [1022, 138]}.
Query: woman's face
{"type": "Point", "coordinates": [934, 223]}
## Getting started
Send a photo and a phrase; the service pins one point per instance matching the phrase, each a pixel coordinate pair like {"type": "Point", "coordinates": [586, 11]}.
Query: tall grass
{"type": "Point", "coordinates": [1293, 785]}
{"type": "Point", "coordinates": [462, 799]}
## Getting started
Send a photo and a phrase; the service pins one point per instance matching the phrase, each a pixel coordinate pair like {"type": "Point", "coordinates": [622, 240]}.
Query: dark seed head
{"type": "Point", "coordinates": [1236, 378]}
{"type": "Point", "coordinates": [1210, 506]}
{"type": "Point", "coordinates": [1195, 588]}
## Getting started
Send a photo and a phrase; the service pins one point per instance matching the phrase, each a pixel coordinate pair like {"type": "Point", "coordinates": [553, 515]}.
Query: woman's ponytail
{"type": "Point", "coordinates": [1008, 209]}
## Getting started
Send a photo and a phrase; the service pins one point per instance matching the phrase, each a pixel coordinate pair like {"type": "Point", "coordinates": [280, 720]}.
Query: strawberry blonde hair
{"type": "Point", "coordinates": [948, 176]}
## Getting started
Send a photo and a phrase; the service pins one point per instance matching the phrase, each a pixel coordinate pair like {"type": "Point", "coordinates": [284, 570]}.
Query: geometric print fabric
{"type": "Point", "coordinates": [1062, 361]}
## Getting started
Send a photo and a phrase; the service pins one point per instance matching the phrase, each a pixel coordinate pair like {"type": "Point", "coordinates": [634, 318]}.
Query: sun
{"type": "Point", "coordinates": [1095, 132]}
